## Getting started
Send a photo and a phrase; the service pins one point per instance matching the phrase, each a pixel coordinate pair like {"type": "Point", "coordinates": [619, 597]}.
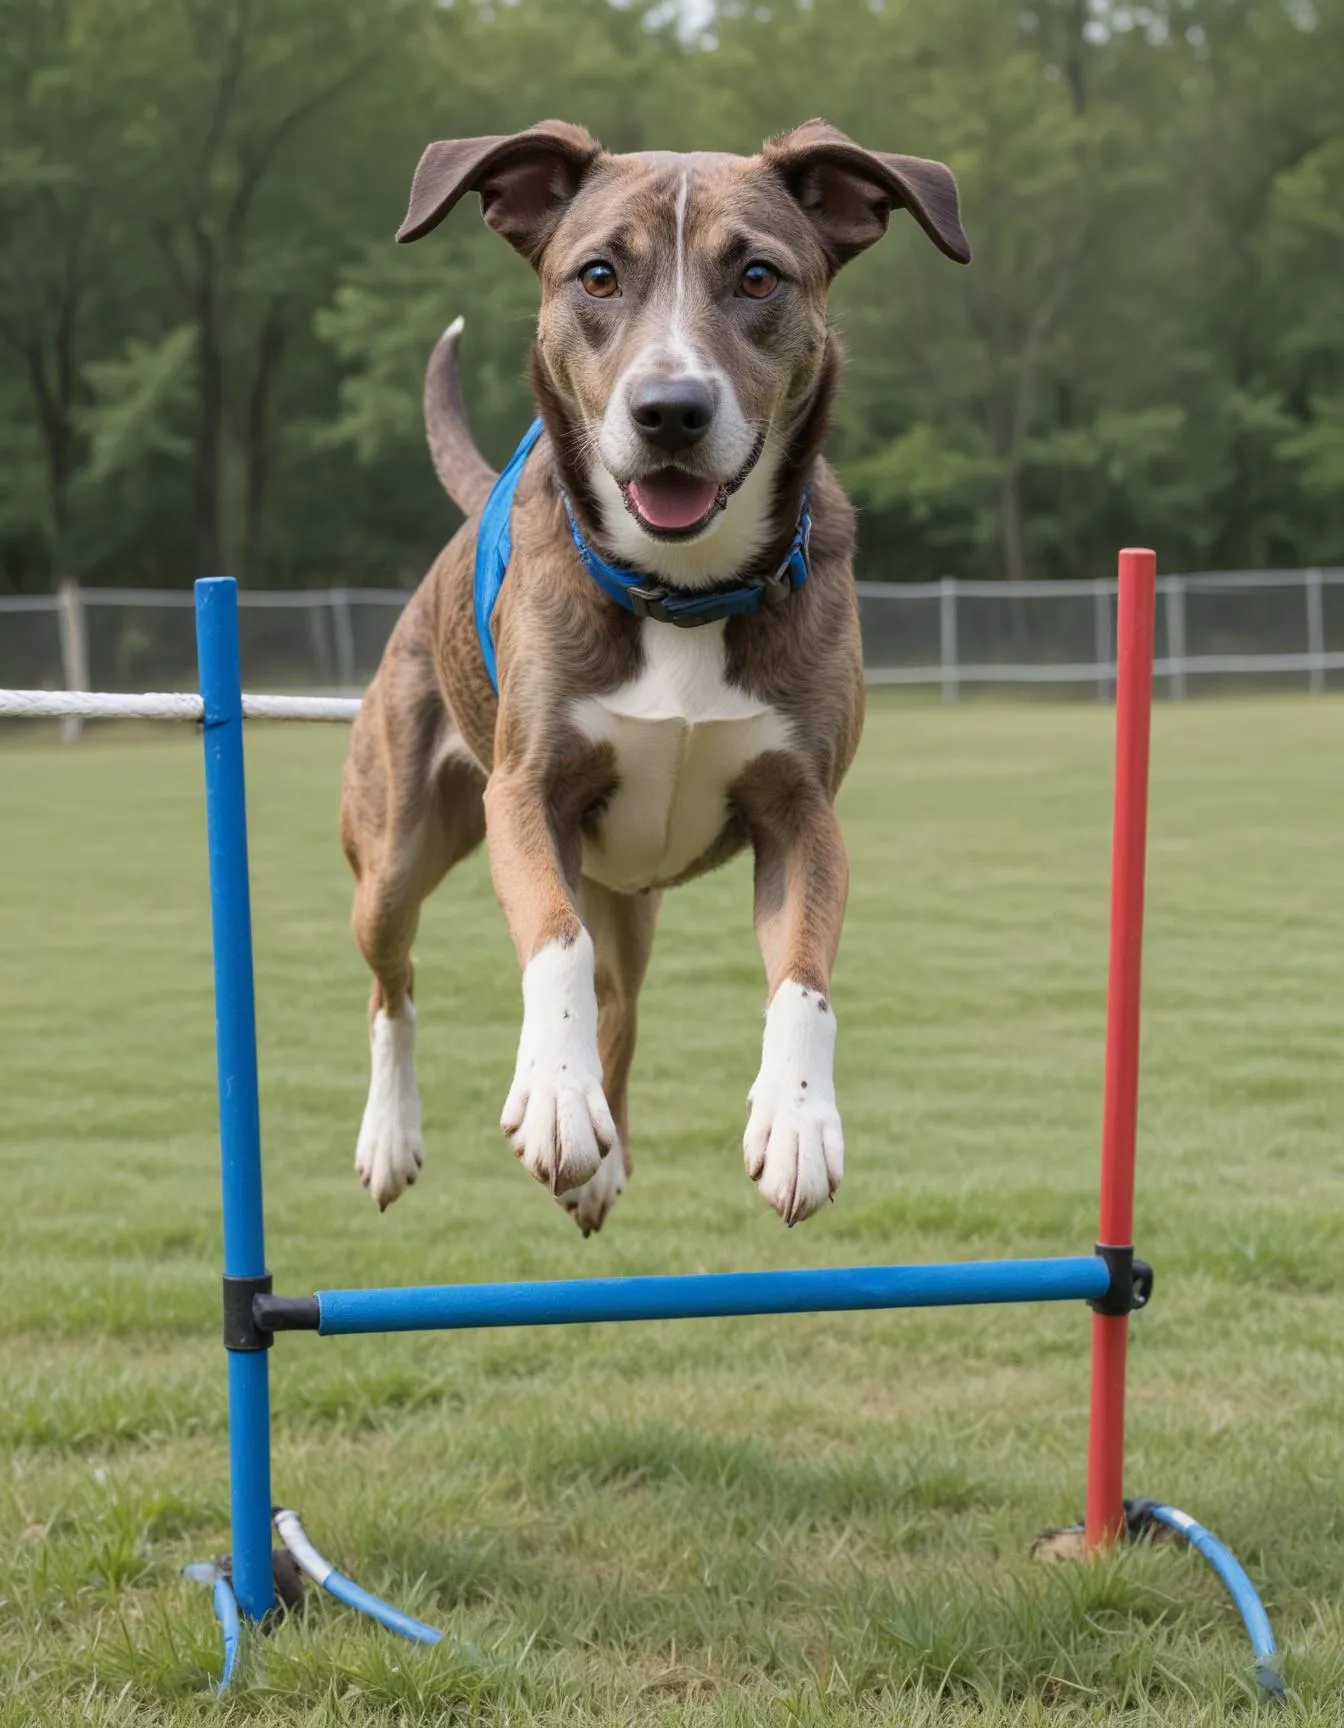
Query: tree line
{"type": "Point", "coordinates": [211, 351]}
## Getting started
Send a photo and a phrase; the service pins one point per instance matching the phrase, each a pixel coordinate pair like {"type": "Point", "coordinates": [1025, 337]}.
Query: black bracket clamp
{"type": "Point", "coordinates": [1131, 1282]}
{"type": "Point", "coordinates": [286, 1313]}
{"type": "Point", "coordinates": [241, 1331]}
{"type": "Point", "coordinates": [252, 1315]}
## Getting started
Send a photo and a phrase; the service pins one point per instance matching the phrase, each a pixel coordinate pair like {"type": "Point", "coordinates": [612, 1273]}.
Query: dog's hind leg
{"type": "Point", "coordinates": [411, 807]}
{"type": "Point", "coordinates": [622, 928]}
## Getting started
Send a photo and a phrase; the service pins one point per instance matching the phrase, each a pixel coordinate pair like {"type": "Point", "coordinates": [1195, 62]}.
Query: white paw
{"type": "Point", "coordinates": [391, 1147]}
{"type": "Point", "coordinates": [794, 1145]}
{"type": "Point", "coordinates": [556, 1114]}
{"type": "Point", "coordinates": [588, 1206]}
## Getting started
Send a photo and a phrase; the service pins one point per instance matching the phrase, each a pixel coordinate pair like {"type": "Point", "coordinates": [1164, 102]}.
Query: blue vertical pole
{"type": "Point", "coordinates": [236, 1053]}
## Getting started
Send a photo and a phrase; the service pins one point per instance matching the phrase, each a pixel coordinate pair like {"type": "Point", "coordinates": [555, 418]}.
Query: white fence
{"type": "Point", "coordinates": [1281, 629]}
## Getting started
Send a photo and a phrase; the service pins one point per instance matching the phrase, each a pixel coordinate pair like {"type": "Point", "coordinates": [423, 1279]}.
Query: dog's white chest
{"type": "Point", "coordinates": [682, 735]}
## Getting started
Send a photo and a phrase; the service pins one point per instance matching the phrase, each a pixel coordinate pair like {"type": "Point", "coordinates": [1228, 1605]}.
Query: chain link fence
{"type": "Point", "coordinates": [1242, 629]}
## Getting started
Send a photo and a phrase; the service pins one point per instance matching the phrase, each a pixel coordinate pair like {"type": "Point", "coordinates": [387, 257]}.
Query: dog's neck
{"type": "Point", "coordinates": [758, 523]}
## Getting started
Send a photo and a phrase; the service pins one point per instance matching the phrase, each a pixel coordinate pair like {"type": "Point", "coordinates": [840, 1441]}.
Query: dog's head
{"type": "Point", "coordinates": [683, 311]}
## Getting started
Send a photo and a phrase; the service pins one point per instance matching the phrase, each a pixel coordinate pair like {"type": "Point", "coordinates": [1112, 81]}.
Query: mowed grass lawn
{"type": "Point", "coordinates": [790, 1521]}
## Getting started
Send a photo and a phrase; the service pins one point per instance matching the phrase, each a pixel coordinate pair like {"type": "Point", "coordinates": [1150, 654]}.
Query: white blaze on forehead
{"type": "Point", "coordinates": [675, 348]}
{"type": "Point", "coordinates": [683, 193]}
{"type": "Point", "coordinates": [678, 345]}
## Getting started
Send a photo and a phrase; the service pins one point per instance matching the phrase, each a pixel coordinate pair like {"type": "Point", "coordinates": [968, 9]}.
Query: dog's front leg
{"type": "Point", "coordinates": [556, 1114]}
{"type": "Point", "coordinates": [794, 1144]}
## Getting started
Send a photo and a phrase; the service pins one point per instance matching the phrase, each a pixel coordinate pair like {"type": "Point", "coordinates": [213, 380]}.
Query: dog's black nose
{"type": "Point", "coordinates": [672, 413]}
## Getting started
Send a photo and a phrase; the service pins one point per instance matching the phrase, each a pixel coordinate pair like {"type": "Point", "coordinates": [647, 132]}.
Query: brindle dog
{"type": "Point", "coordinates": [684, 371]}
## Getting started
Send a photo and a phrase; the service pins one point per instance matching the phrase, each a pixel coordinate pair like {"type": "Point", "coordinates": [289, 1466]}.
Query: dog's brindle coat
{"type": "Point", "coordinates": [623, 756]}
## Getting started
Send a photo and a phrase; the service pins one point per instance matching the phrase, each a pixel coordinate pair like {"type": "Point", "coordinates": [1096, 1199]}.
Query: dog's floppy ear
{"type": "Point", "coordinates": [525, 179]}
{"type": "Point", "coordinates": [848, 193]}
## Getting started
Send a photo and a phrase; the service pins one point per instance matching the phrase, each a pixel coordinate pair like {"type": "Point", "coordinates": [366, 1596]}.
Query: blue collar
{"type": "Point", "coordinates": [644, 596]}
{"type": "Point", "coordinates": [647, 597]}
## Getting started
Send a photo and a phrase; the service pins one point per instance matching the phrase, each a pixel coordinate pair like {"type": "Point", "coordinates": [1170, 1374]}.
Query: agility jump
{"type": "Point", "coordinates": [1109, 1279]}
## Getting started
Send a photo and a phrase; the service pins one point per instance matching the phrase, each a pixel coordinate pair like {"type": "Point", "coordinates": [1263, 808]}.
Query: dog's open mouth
{"type": "Point", "coordinates": [673, 504]}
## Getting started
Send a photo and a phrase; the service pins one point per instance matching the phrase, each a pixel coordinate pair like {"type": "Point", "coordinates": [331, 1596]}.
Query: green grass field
{"type": "Point", "coordinates": [796, 1521]}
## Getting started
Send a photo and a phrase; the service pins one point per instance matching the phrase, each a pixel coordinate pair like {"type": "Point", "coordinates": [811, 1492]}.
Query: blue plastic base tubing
{"type": "Point", "coordinates": [1239, 1586]}
{"type": "Point", "coordinates": [315, 1566]}
{"type": "Point", "coordinates": [1224, 1563]}
{"type": "Point", "coordinates": [404, 1625]}
{"type": "Point", "coordinates": [226, 1612]}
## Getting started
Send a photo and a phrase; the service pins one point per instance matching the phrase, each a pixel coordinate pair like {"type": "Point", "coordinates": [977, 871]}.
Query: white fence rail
{"type": "Point", "coordinates": [1270, 629]}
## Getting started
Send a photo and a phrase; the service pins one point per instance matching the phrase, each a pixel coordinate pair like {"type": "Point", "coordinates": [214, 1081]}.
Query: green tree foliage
{"type": "Point", "coordinates": [211, 351]}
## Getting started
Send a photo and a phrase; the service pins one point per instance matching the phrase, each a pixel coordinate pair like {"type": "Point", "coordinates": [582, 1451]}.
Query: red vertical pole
{"type": "Point", "coordinates": [1133, 710]}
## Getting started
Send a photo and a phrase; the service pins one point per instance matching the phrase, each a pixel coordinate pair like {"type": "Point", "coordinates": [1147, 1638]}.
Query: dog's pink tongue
{"type": "Point", "coordinates": [670, 499]}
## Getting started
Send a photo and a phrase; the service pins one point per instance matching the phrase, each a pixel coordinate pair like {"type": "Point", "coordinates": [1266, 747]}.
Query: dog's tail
{"type": "Point", "coordinates": [465, 474]}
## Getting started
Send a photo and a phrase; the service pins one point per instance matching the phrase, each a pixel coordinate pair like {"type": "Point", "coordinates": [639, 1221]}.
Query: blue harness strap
{"type": "Point", "coordinates": [494, 543]}
{"type": "Point", "coordinates": [644, 596]}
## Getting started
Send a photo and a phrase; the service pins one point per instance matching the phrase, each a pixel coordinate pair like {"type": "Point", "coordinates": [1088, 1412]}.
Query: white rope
{"type": "Point", "coordinates": [97, 705]}
{"type": "Point", "coordinates": [56, 704]}
{"type": "Point", "coordinates": [300, 707]}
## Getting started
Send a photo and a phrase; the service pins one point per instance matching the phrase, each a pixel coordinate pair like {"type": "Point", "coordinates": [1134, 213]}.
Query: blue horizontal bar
{"type": "Point", "coordinates": [702, 1296]}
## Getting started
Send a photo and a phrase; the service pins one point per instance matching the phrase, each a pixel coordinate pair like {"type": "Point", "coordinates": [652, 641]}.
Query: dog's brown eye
{"type": "Point", "coordinates": [599, 280]}
{"type": "Point", "coordinates": [759, 281]}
